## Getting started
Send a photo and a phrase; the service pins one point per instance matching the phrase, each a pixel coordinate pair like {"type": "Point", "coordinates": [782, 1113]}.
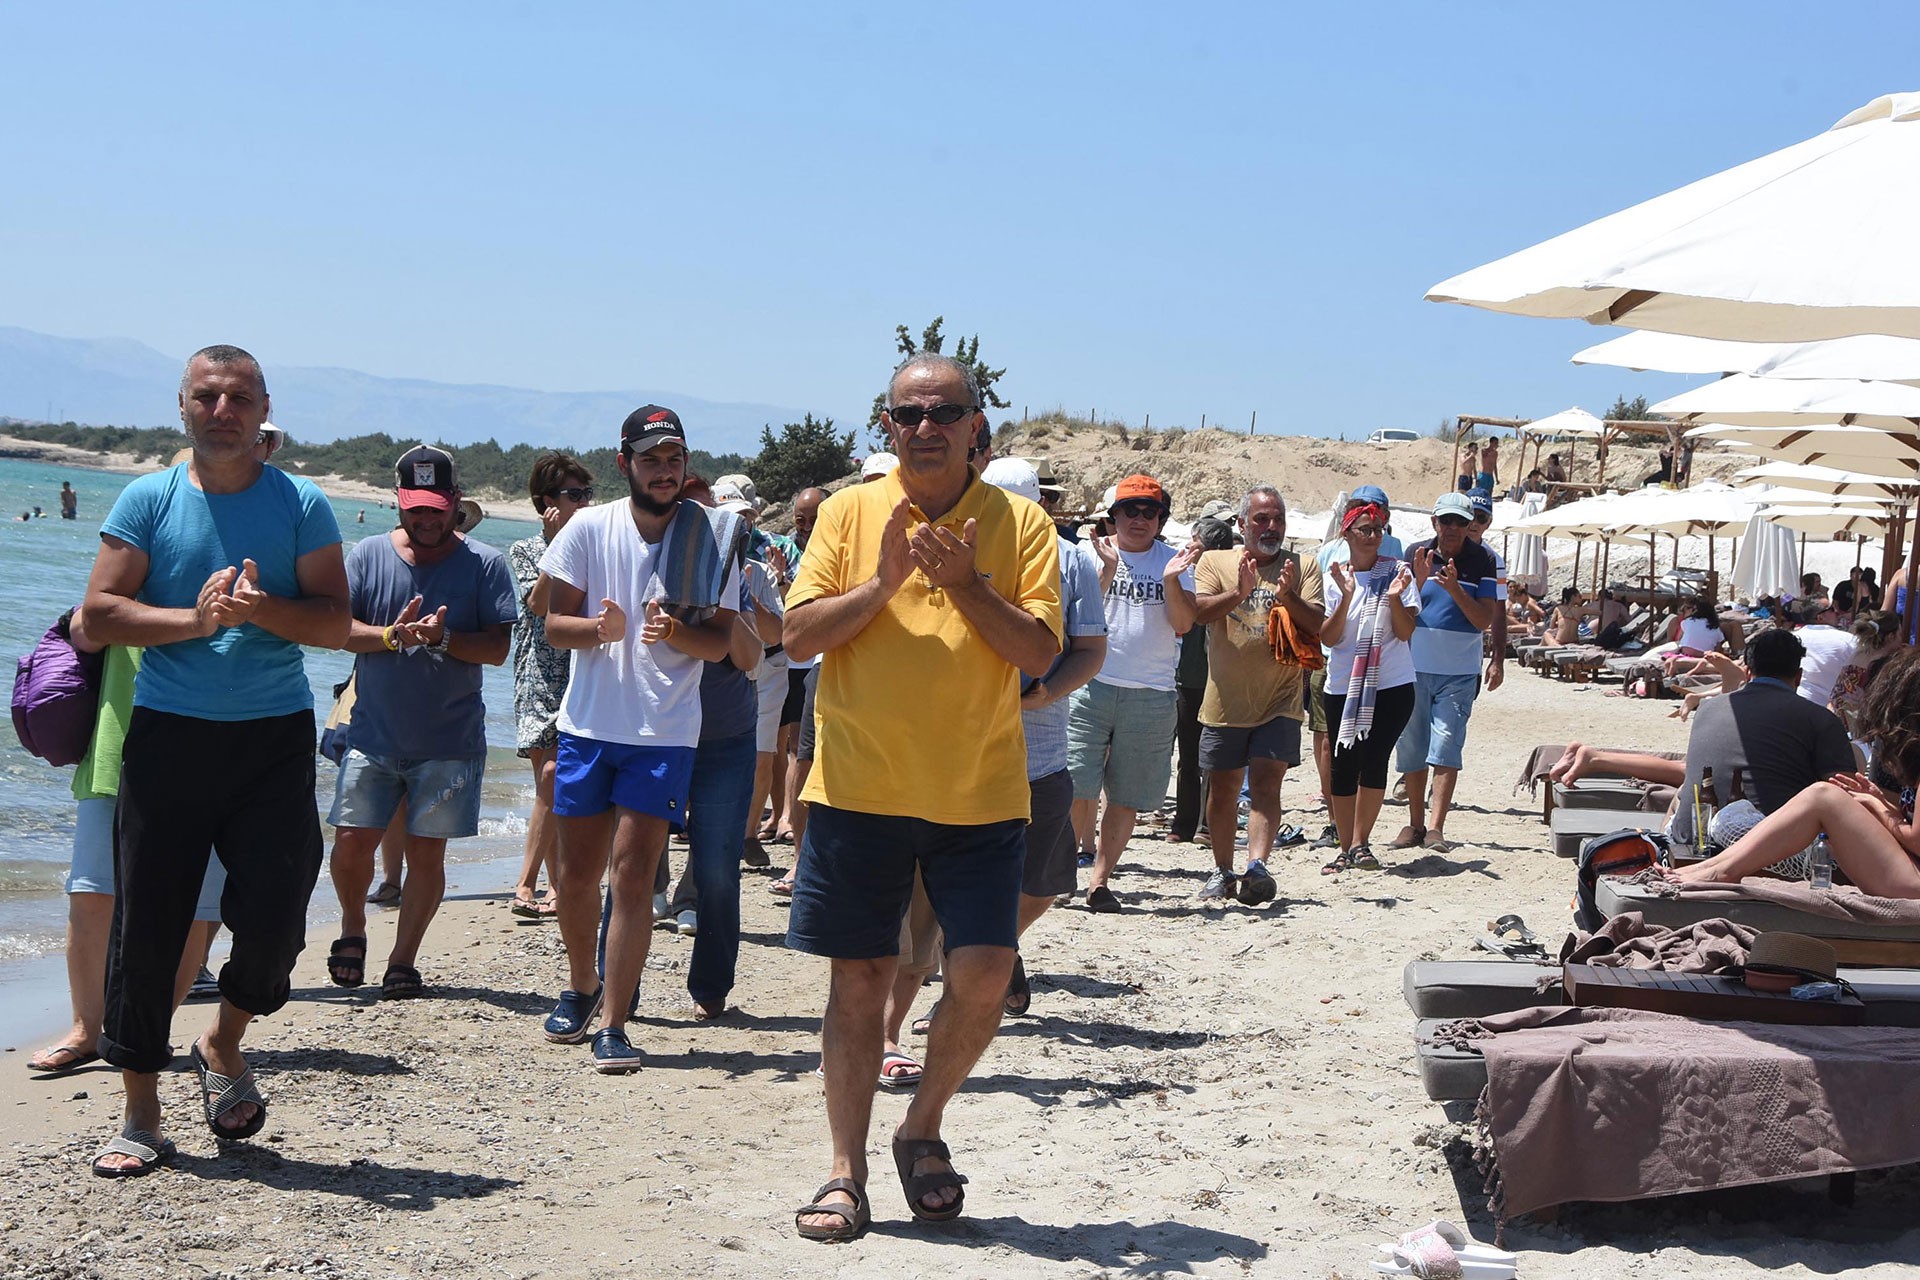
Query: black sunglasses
{"type": "Point", "coordinates": [1459, 521]}
{"type": "Point", "coordinates": [574, 494]}
{"type": "Point", "coordinates": [912, 415]}
{"type": "Point", "coordinates": [1138, 510]}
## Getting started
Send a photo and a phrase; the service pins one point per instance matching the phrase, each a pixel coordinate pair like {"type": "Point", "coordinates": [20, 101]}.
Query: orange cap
{"type": "Point", "coordinates": [1136, 487]}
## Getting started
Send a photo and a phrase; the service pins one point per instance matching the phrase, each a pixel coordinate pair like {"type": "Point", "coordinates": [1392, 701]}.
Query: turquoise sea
{"type": "Point", "coordinates": [43, 569]}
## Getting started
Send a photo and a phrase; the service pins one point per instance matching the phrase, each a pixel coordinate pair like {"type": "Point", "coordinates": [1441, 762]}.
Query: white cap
{"type": "Point", "coordinates": [743, 491]}
{"type": "Point", "coordinates": [1107, 499]}
{"type": "Point", "coordinates": [728, 496]}
{"type": "Point", "coordinates": [877, 464]}
{"type": "Point", "coordinates": [1015, 475]}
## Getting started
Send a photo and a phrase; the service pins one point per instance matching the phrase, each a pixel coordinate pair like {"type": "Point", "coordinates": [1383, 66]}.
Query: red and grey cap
{"type": "Point", "coordinates": [650, 425]}
{"type": "Point", "coordinates": [425, 477]}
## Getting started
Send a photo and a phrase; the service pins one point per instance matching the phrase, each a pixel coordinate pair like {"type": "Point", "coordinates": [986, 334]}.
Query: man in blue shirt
{"type": "Point", "coordinates": [430, 608]}
{"type": "Point", "coordinates": [220, 567]}
{"type": "Point", "coordinates": [1457, 587]}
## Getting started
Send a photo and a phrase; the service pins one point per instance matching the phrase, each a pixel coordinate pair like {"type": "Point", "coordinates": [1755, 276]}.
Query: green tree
{"type": "Point", "coordinates": [966, 351]}
{"type": "Point", "coordinates": [1634, 410]}
{"type": "Point", "coordinates": [806, 453]}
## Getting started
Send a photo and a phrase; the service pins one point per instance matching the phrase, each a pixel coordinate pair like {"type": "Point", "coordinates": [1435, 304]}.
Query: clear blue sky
{"type": "Point", "coordinates": [1142, 208]}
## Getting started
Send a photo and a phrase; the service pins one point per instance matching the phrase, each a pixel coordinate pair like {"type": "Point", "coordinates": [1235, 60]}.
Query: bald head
{"type": "Point", "coordinates": [806, 504]}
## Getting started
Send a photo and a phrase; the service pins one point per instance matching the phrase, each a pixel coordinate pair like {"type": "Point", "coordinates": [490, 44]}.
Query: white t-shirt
{"type": "Point", "coordinates": [1142, 649]}
{"type": "Point", "coordinates": [628, 692]}
{"type": "Point", "coordinates": [1829, 650]}
{"type": "Point", "coordinates": [1396, 655]}
{"type": "Point", "coordinates": [1701, 635]}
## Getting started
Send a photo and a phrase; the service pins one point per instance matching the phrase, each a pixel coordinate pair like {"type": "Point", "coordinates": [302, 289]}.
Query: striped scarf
{"type": "Point", "coordinates": [1370, 621]}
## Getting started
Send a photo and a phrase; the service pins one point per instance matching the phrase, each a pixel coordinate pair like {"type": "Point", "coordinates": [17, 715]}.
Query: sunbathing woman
{"type": "Point", "coordinates": [1874, 838]}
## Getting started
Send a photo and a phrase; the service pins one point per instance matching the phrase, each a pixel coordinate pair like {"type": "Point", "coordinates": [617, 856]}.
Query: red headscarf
{"type": "Point", "coordinates": [1374, 509]}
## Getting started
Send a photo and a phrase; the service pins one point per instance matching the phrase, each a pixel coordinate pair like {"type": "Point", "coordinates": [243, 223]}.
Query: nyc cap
{"type": "Point", "coordinates": [650, 425]}
{"type": "Point", "coordinates": [425, 477]}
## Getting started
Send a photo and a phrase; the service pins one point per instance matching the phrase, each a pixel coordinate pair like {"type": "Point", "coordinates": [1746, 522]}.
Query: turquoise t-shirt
{"type": "Point", "coordinates": [237, 673]}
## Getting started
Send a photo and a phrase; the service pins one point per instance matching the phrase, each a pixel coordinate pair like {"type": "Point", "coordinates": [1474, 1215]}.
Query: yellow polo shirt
{"type": "Point", "coordinates": [917, 716]}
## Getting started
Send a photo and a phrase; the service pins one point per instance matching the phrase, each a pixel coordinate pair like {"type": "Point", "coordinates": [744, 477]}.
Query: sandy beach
{"type": "Point", "coordinates": [1199, 1091]}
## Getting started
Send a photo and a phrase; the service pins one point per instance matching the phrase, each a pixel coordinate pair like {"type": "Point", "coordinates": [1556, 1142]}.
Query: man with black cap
{"type": "Point", "coordinates": [430, 609]}
{"type": "Point", "coordinates": [1457, 582]}
{"type": "Point", "coordinates": [644, 592]}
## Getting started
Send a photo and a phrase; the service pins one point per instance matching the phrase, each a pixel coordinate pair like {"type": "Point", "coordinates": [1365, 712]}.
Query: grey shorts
{"type": "Point", "coordinates": [1277, 739]}
{"type": "Point", "coordinates": [1050, 868]}
{"type": "Point", "coordinates": [1121, 740]}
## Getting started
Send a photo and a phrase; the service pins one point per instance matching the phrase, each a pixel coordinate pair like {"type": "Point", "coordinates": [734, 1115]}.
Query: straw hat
{"type": "Point", "coordinates": [1789, 958]}
{"type": "Point", "coordinates": [469, 514]}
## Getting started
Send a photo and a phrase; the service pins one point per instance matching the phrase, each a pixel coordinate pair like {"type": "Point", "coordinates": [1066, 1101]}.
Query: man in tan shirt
{"type": "Point", "coordinates": [1251, 714]}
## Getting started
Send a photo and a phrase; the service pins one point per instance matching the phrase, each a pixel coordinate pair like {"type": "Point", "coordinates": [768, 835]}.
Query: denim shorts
{"type": "Point", "coordinates": [1437, 730]}
{"type": "Point", "coordinates": [1228, 748]}
{"type": "Point", "coordinates": [591, 776]}
{"type": "Point", "coordinates": [1121, 740]}
{"type": "Point", "coordinates": [443, 796]}
{"type": "Point", "coordinates": [854, 879]}
{"type": "Point", "coordinates": [92, 869]}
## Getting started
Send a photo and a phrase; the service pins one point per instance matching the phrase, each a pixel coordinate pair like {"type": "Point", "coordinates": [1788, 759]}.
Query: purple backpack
{"type": "Point", "coordinates": [56, 696]}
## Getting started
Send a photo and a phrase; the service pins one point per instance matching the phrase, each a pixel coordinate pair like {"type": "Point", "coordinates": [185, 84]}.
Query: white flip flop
{"type": "Point", "coordinates": [1441, 1250]}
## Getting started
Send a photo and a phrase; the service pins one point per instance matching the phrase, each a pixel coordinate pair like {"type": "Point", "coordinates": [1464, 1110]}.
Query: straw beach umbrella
{"type": "Point", "coordinates": [1809, 242]}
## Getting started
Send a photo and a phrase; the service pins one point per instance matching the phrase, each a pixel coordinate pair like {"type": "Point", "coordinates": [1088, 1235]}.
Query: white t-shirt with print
{"type": "Point", "coordinates": [629, 691]}
{"type": "Point", "coordinates": [1142, 649]}
{"type": "Point", "coordinates": [1396, 655]}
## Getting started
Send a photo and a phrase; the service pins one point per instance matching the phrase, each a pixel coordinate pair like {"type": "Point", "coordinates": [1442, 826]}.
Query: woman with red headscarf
{"type": "Point", "coordinates": [1371, 605]}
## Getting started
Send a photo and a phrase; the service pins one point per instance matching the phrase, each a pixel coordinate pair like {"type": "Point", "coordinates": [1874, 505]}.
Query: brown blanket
{"type": "Point", "coordinates": [1843, 902]}
{"type": "Point", "coordinates": [1629, 942]}
{"type": "Point", "coordinates": [1617, 1104]}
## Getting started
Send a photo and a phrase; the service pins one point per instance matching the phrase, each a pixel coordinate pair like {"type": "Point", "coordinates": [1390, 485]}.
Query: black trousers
{"type": "Point", "coordinates": [1365, 763]}
{"type": "Point", "coordinates": [243, 790]}
{"type": "Point", "coordinates": [1190, 788]}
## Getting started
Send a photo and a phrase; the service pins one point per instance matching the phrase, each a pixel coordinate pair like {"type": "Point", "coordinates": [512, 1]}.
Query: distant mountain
{"type": "Point", "coordinates": [126, 383]}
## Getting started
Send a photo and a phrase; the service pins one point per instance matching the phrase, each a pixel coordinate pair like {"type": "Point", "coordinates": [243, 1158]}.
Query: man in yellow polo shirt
{"type": "Point", "coordinates": [926, 594]}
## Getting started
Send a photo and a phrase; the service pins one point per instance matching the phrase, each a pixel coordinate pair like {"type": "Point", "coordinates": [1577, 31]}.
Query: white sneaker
{"type": "Point", "coordinates": [689, 923]}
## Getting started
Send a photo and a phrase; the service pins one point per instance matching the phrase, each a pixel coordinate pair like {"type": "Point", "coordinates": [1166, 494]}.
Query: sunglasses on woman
{"type": "Point", "coordinates": [574, 494]}
{"type": "Point", "coordinates": [912, 415]}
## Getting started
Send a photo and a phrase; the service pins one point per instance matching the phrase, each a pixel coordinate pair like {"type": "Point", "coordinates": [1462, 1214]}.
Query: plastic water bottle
{"type": "Point", "coordinates": [1820, 864]}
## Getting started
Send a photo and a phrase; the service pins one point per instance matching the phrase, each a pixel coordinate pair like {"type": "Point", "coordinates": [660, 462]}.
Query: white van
{"type": "Point", "coordinates": [1393, 435]}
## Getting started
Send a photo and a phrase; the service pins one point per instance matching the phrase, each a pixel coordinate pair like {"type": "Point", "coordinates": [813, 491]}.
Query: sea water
{"type": "Point", "coordinates": [43, 570]}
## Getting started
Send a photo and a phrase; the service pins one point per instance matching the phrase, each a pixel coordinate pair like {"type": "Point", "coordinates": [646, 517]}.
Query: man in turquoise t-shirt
{"type": "Point", "coordinates": [221, 567]}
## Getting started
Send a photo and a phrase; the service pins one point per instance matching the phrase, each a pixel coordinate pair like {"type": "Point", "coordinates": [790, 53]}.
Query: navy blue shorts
{"type": "Point", "coordinates": [854, 878]}
{"type": "Point", "coordinates": [591, 776]}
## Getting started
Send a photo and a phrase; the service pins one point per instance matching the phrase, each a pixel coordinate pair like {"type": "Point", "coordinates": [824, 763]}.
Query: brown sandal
{"type": "Point", "coordinates": [854, 1218]}
{"type": "Point", "coordinates": [909, 1151]}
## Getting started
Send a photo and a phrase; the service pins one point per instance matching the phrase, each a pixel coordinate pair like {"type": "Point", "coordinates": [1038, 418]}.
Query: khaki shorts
{"type": "Point", "coordinates": [1316, 704]}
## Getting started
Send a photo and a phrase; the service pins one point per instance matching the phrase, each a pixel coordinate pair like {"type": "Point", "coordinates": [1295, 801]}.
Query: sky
{"type": "Point", "coordinates": [1143, 210]}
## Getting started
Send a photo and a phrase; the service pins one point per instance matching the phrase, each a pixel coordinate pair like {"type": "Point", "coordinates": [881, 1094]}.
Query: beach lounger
{"type": "Point", "coordinates": [1476, 988]}
{"type": "Point", "coordinates": [1859, 938]}
{"type": "Point", "coordinates": [1624, 794]}
{"type": "Point", "coordinates": [1447, 1072]}
{"type": "Point", "coordinates": [1574, 827]}
{"type": "Point", "coordinates": [1615, 1104]}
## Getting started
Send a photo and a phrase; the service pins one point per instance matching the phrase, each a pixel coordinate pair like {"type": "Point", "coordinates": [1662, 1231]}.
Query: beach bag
{"type": "Point", "coordinates": [56, 696]}
{"type": "Point", "coordinates": [333, 735]}
{"type": "Point", "coordinates": [1292, 646]}
{"type": "Point", "coordinates": [1613, 636]}
{"type": "Point", "coordinates": [1626, 852]}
